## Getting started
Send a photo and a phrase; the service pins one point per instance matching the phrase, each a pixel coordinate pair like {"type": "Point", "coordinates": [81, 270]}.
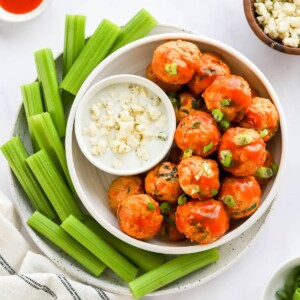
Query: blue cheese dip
{"type": "Point", "coordinates": [125, 126]}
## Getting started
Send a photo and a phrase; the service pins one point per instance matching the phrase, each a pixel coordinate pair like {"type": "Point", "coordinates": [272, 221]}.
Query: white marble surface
{"type": "Point", "coordinates": [222, 20]}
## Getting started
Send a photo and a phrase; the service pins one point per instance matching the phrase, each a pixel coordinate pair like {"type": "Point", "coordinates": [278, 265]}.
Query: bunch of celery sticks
{"type": "Point", "coordinates": [44, 174]}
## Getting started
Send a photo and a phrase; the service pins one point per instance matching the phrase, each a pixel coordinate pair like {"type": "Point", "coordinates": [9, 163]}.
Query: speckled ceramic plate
{"type": "Point", "coordinates": [229, 252]}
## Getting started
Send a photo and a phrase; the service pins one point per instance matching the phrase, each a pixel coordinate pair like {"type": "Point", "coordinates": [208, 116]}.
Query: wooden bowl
{"type": "Point", "coordinates": [251, 18]}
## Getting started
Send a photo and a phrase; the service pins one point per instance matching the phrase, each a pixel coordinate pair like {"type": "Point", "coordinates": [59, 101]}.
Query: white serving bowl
{"type": "Point", "coordinates": [18, 18]}
{"type": "Point", "coordinates": [279, 277]}
{"type": "Point", "coordinates": [92, 184]}
{"type": "Point", "coordinates": [130, 163]}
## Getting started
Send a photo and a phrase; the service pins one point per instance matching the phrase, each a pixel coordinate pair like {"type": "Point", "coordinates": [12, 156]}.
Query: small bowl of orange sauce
{"type": "Point", "coordinates": [21, 10]}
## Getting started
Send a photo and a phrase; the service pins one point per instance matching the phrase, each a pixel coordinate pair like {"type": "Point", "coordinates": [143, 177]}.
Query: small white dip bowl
{"type": "Point", "coordinates": [103, 104]}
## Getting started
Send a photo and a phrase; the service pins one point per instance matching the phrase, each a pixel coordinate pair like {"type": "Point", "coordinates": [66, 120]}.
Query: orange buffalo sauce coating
{"type": "Point", "coordinates": [242, 196]}
{"type": "Point", "coordinates": [167, 87]}
{"type": "Point", "coordinates": [202, 221]}
{"type": "Point", "coordinates": [122, 187]}
{"type": "Point", "coordinates": [199, 177]}
{"type": "Point", "coordinates": [198, 132]}
{"type": "Point", "coordinates": [210, 68]}
{"type": "Point", "coordinates": [233, 89]}
{"type": "Point", "coordinates": [246, 150]}
{"type": "Point", "coordinates": [139, 216]}
{"type": "Point", "coordinates": [263, 117]}
{"type": "Point", "coordinates": [162, 182]}
{"type": "Point", "coordinates": [175, 62]}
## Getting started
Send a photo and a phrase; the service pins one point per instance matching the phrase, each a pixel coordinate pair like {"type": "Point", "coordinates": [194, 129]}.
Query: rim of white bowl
{"type": "Point", "coordinates": [90, 95]}
{"type": "Point", "coordinates": [283, 266]}
{"type": "Point", "coordinates": [18, 18]}
{"type": "Point", "coordinates": [193, 248]}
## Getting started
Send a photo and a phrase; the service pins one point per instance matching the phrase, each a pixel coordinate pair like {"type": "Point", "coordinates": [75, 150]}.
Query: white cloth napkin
{"type": "Point", "coordinates": [25, 274]}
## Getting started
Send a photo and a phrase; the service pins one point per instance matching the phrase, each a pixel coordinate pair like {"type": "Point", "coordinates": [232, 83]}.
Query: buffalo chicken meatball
{"type": "Point", "coordinates": [175, 62]}
{"type": "Point", "coordinates": [198, 132]}
{"type": "Point", "coordinates": [229, 97]}
{"type": "Point", "coordinates": [241, 151]}
{"type": "Point", "coordinates": [202, 221]}
{"type": "Point", "coordinates": [199, 177]}
{"type": "Point", "coordinates": [187, 104]}
{"type": "Point", "coordinates": [241, 195]}
{"type": "Point", "coordinates": [263, 117]}
{"type": "Point", "coordinates": [167, 87]}
{"type": "Point", "coordinates": [122, 187]}
{"type": "Point", "coordinates": [139, 216]}
{"type": "Point", "coordinates": [210, 68]}
{"type": "Point", "coordinates": [162, 182]}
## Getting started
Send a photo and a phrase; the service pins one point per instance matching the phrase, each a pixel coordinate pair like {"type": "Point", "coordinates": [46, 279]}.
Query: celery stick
{"type": "Point", "coordinates": [60, 238]}
{"type": "Point", "coordinates": [91, 55]}
{"type": "Point", "coordinates": [170, 271]}
{"type": "Point", "coordinates": [141, 258]}
{"type": "Point", "coordinates": [74, 40]}
{"type": "Point", "coordinates": [73, 44]}
{"type": "Point", "coordinates": [47, 74]}
{"type": "Point", "coordinates": [33, 104]}
{"type": "Point", "coordinates": [47, 138]}
{"type": "Point", "coordinates": [137, 27]}
{"type": "Point", "coordinates": [32, 98]}
{"type": "Point", "coordinates": [91, 241]}
{"type": "Point", "coordinates": [53, 185]}
{"type": "Point", "coordinates": [16, 154]}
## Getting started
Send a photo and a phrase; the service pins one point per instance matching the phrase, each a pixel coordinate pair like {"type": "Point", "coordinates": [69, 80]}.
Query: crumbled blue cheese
{"type": "Point", "coordinates": [280, 20]}
{"type": "Point", "coordinates": [124, 119]}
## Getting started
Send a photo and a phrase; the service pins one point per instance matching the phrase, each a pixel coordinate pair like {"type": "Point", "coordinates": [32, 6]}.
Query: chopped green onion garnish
{"type": "Point", "coordinates": [264, 172]}
{"type": "Point", "coordinates": [171, 69]}
{"type": "Point", "coordinates": [151, 206]}
{"type": "Point", "coordinates": [195, 125]}
{"type": "Point", "coordinates": [165, 207]}
{"type": "Point", "coordinates": [196, 190]}
{"type": "Point", "coordinates": [182, 199]}
{"type": "Point", "coordinates": [187, 153]}
{"type": "Point", "coordinates": [242, 139]}
{"type": "Point", "coordinates": [224, 124]}
{"type": "Point", "coordinates": [225, 102]}
{"type": "Point", "coordinates": [214, 192]}
{"type": "Point", "coordinates": [217, 115]}
{"type": "Point", "coordinates": [208, 147]}
{"type": "Point", "coordinates": [275, 168]}
{"type": "Point", "coordinates": [226, 156]}
{"type": "Point", "coordinates": [162, 136]}
{"type": "Point", "coordinates": [229, 200]}
{"type": "Point", "coordinates": [264, 133]}
{"type": "Point", "coordinates": [173, 101]}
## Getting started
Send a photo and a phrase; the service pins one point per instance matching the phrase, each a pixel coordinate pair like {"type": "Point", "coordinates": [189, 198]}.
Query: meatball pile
{"type": "Point", "coordinates": [219, 161]}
